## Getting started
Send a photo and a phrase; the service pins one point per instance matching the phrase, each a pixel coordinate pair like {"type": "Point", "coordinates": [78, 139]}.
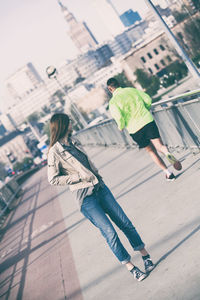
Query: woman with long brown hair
{"type": "Point", "coordinates": [69, 165]}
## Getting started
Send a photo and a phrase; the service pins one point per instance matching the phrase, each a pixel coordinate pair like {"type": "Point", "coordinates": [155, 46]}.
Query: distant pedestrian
{"type": "Point", "coordinates": [69, 165]}
{"type": "Point", "coordinates": [130, 109]}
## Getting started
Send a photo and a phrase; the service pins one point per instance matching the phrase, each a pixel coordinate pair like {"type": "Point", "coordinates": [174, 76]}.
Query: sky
{"type": "Point", "coordinates": [35, 31]}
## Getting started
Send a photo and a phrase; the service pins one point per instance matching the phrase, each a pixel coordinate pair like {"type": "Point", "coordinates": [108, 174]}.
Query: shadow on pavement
{"type": "Point", "coordinates": [118, 267]}
{"type": "Point", "coordinates": [177, 245]}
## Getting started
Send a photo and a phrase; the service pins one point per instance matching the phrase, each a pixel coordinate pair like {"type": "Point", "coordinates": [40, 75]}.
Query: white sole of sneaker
{"type": "Point", "coordinates": [141, 278]}
{"type": "Point", "coordinates": [170, 179]}
{"type": "Point", "coordinates": [150, 269]}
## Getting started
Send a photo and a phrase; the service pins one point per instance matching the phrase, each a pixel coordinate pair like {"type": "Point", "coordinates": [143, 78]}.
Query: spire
{"type": "Point", "coordinates": [113, 7]}
{"type": "Point", "coordinates": [69, 17]}
{"type": "Point", "coordinates": [61, 5]}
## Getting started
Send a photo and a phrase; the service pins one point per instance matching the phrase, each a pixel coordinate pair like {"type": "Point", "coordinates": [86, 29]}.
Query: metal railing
{"type": "Point", "coordinates": [10, 190]}
{"type": "Point", "coordinates": [178, 119]}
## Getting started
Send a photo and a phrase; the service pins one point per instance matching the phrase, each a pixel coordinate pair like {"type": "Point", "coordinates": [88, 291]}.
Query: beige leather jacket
{"type": "Point", "coordinates": [65, 169]}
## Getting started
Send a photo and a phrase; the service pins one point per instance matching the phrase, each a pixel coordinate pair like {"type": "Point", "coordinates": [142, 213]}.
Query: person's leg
{"type": "Point", "coordinates": [117, 215]}
{"type": "Point", "coordinates": [159, 162]}
{"type": "Point", "coordinates": [93, 211]}
{"type": "Point", "coordinates": [158, 144]}
{"type": "Point", "coordinates": [143, 138]}
{"type": "Point", "coordinates": [155, 156]}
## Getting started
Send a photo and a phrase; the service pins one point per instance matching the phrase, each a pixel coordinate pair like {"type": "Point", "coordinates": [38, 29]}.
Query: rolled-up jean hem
{"type": "Point", "coordinates": [140, 247]}
{"type": "Point", "coordinates": [123, 262]}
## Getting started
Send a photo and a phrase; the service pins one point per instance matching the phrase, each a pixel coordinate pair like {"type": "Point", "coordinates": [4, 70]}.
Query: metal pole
{"type": "Point", "coordinates": [189, 63]}
{"type": "Point", "coordinates": [80, 117]}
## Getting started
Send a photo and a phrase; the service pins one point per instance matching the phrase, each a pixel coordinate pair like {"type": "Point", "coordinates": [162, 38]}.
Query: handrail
{"type": "Point", "coordinates": [178, 122]}
{"type": "Point", "coordinates": [10, 190]}
{"type": "Point", "coordinates": [172, 99]}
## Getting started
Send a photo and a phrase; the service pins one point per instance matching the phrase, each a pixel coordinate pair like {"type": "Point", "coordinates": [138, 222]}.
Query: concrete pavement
{"type": "Point", "coordinates": [50, 251]}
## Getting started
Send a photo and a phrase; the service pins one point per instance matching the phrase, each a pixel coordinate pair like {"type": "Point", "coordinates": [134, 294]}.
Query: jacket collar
{"type": "Point", "coordinates": [116, 91]}
{"type": "Point", "coordinates": [59, 146]}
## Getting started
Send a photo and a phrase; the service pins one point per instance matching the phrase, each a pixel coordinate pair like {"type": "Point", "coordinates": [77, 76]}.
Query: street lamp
{"type": "Point", "coordinates": [52, 73]}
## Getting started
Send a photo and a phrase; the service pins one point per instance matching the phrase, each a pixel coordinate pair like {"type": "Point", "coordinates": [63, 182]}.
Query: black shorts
{"type": "Point", "coordinates": [147, 133]}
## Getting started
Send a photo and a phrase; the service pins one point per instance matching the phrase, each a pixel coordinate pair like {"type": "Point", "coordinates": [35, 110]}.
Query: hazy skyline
{"type": "Point", "coordinates": [35, 31]}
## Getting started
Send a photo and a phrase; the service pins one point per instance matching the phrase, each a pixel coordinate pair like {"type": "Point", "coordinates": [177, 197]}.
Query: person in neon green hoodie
{"type": "Point", "coordinates": [130, 108]}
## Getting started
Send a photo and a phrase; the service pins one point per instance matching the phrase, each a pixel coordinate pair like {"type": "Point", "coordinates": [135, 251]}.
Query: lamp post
{"type": "Point", "coordinates": [52, 73]}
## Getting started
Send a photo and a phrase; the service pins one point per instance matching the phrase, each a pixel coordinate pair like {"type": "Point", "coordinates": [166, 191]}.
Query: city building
{"type": "Point", "coordinates": [152, 56]}
{"type": "Point", "coordinates": [179, 4]}
{"type": "Point", "coordinates": [23, 82]}
{"type": "Point", "coordinates": [78, 31]}
{"type": "Point", "coordinates": [32, 102]}
{"type": "Point", "coordinates": [84, 65]}
{"type": "Point", "coordinates": [13, 148]}
{"type": "Point", "coordinates": [2, 129]}
{"type": "Point", "coordinates": [102, 75]}
{"type": "Point", "coordinates": [166, 14]}
{"type": "Point", "coordinates": [136, 32]}
{"type": "Point", "coordinates": [120, 44]}
{"type": "Point", "coordinates": [130, 17]}
{"type": "Point", "coordinates": [8, 123]}
{"type": "Point", "coordinates": [154, 53]}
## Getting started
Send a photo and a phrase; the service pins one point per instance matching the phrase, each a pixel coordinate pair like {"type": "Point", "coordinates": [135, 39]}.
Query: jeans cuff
{"type": "Point", "coordinates": [125, 261]}
{"type": "Point", "coordinates": [140, 247]}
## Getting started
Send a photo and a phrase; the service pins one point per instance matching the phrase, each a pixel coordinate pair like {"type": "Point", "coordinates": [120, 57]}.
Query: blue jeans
{"type": "Point", "coordinates": [96, 206]}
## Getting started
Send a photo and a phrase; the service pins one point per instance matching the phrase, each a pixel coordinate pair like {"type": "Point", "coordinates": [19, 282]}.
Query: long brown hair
{"type": "Point", "coordinates": [59, 124]}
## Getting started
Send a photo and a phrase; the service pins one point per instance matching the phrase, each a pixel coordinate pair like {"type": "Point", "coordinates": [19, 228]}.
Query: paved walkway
{"type": "Point", "coordinates": [49, 251]}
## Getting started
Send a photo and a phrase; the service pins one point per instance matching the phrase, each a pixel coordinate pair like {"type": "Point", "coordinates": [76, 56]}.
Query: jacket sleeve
{"type": "Point", "coordinates": [54, 175]}
{"type": "Point", "coordinates": [146, 99]}
{"type": "Point", "coordinates": [117, 115]}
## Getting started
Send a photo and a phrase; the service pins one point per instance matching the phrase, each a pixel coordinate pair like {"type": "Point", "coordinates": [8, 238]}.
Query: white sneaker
{"type": "Point", "coordinates": [137, 274]}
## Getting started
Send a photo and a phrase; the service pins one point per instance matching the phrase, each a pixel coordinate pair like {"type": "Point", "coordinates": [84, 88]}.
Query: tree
{"type": "Point", "coordinates": [123, 81]}
{"type": "Point", "coordinates": [18, 166]}
{"type": "Point", "coordinates": [46, 109]}
{"type": "Point", "coordinates": [143, 78]}
{"type": "Point", "coordinates": [196, 4]}
{"type": "Point", "coordinates": [84, 114]}
{"type": "Point", "coordinates": [196, 60]}
{"type": "Point", "coordinates": [46, 130]}
{"type": "Point", "coordinates": [28, 160]}
{"type": "Point", "coordinates": [173, 73]}
{"type": "Point", "coordinates": [66, 88]}
{"type": "Point", "coordinates": [60, 95]}
{"type": "Point", "coordinates": [178, 69]}
{"type": "Point", "coordinates": [150, 83]}
{"type": "Point", "coordinates": [180, 16]}
{"type": "Point", "coordinates": [33, 118]}
{"type": "Point", "coordinates": [79, 79]}
{"type": "Point", "coordinates": [192, 33]}
{"type": "Point", "coordinates": [154, 86]}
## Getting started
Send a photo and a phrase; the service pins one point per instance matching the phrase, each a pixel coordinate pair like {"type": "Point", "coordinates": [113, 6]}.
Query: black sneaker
{"type": "Point", "coordinates": [138, 275]}
{"type": "Point", "coordinates": [148, 265]}
{"type": "Point", "coordinates": [171, 177]}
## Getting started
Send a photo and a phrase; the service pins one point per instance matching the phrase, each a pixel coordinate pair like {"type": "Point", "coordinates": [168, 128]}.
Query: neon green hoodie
{"type": "Point", "coordinates": [130, 109]}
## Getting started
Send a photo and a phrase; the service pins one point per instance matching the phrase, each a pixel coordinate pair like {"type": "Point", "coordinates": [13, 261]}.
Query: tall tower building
{"type": "Point", "coordinates": [109, 17]}
{"type": "Point", "coordinates": [79, 31]}
{"type": "Point", "coordinates": [129, 17]}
